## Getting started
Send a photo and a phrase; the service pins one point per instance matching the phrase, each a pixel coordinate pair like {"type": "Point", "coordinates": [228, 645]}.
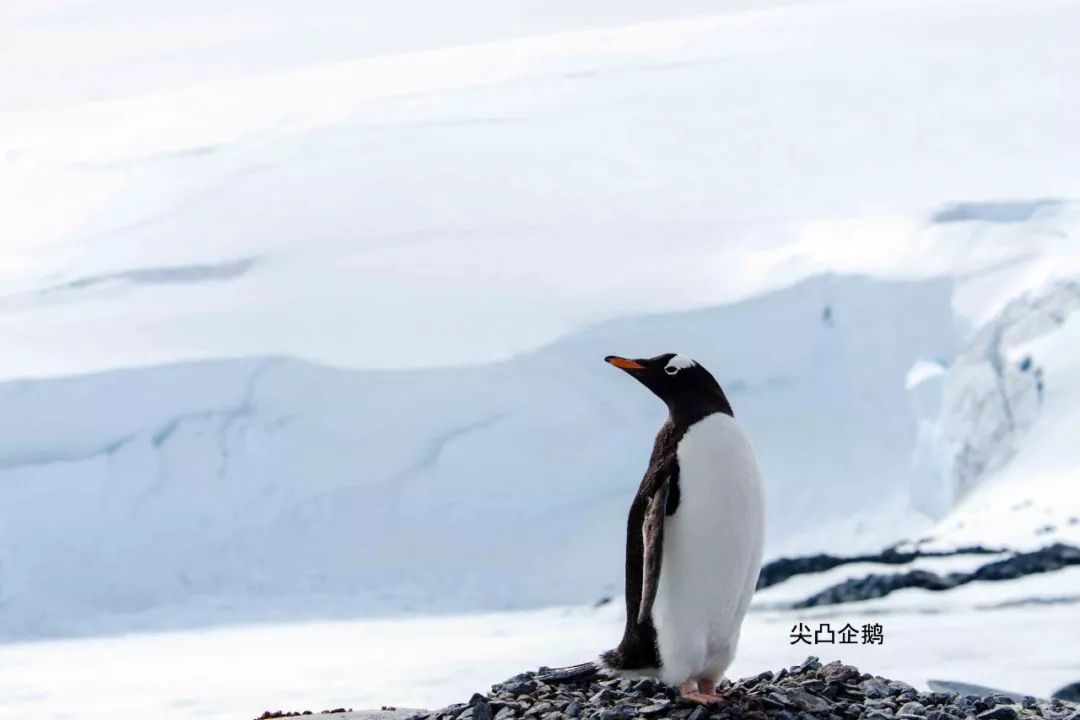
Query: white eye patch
{"type": "Point", "coordinates": [677, 363]}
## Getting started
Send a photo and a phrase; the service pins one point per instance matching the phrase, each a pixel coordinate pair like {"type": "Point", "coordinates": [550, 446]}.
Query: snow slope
{"type": "Point", "coordinates": [269, 487]}
{"type": "Point", "coordinates": [273, 481]}
{"type": "Point", "coordinates": [445, 203]}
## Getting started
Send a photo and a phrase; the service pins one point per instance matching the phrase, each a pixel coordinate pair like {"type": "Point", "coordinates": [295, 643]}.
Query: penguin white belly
{"type": "Point", "coordinates": [711, 552]}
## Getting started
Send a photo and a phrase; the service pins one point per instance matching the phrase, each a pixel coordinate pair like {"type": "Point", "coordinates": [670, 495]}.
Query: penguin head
{"type": "Point", "coordinates": [687, 388]}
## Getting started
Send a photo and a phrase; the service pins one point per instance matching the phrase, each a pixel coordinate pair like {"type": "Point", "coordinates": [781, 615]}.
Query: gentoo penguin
{"type": "Point", "coordinates": [693, 537]}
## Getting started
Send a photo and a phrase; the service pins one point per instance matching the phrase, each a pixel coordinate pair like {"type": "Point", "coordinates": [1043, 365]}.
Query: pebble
{"type": "Point", "coordinates": [603, 696]}
{"type": "Point", "coordinates": [874, 688]}
{"type": "Point", "coordinates": [1001, 712]}
{"type": "Point", "coordinates": [877, 714]}
{"type": "Point", "coordinates": [521, 687]}
{"type": "Point", "coordinates": [808, 691]}
{"type": "Point", "coordinates": [619, 712]}
{"type": "Point", "coordinates": [809, 702]}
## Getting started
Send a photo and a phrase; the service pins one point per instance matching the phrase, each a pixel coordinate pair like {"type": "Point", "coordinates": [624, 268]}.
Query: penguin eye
{"type": "Point", "coordinates": [671, 369]}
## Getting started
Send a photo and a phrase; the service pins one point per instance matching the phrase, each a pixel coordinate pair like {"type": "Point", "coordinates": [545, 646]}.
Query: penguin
{"type": "Point", "coordinates": [694, 538]}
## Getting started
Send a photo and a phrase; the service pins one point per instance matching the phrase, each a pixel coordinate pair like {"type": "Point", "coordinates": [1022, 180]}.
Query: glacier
{"type": "Point", "coordinates": [273, 483]}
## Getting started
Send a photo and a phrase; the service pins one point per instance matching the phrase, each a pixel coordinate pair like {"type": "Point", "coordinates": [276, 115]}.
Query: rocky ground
{"type": "Point", "coordinates": [810, 691]}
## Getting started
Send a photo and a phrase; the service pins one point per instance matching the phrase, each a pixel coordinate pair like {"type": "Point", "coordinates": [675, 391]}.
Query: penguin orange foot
{"type": "Point", "coordinates": [703, 692]}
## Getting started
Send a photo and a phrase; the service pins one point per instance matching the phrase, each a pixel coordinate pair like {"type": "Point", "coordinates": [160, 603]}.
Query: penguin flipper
{"type": "Point", "coordinates": [652, 534]}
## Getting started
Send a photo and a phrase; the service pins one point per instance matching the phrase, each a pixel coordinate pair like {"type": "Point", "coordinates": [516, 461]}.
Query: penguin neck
{"type": "Point", "coordinates": [685, 413]}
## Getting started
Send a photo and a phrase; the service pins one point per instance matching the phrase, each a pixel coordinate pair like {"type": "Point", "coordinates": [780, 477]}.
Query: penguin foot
{"type": "Point", "coordinates": [710, 688]}
{"type": "Point", "coordinates": [697, 692]}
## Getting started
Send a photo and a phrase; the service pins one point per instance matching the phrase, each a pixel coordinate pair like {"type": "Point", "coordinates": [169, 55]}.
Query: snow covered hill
{"type": "Point", "coordinates": [276, 480]}
{"type": "Point", "coordinates": [449, 203]}
{"type": "Point", "coordinates": [323, 336]}
{"type": "Point", "coordinates": [267, 487]}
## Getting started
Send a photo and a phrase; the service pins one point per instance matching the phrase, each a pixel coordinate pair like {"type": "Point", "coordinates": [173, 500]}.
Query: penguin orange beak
{"type": "Point", "coordinates": [624, 363]}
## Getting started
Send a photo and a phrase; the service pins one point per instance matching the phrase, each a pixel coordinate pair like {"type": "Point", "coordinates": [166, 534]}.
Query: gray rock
{"type": "Point", "coordinates": [603, 696]}
{"type": "Point", "coordinates": [882, 704]}
{"type": "Point", "coordinates": [519, 687]}
{"type": "Point", "coordinates": [649, 686]}
{"type": "Point", "coordinates": [808, 702]}
{"type": "Point", "coordinates": [877, 714]}
{"type": "Point", "coordinates": [761, 677]}
{"type": "Point", "coordinates": [1001, 712]}
{"type": "Point", "coordinates": [482, 711]}
{"type": "Point", "coordinates": [776, 699]}
{"type": "Point", "coordinates": [619, 712]}
{"type": "Point", "coordinates": [700, 713]}
{"type": "Point", "coordinates": [1071, 692]}
{"type": "Point", "coordinates": [874, 688]}
{"type": "Point", "coordinates": [573, 709]}
{"type": "Point", "coordinates": [839, 672]}
{"type": "Point", "coordinates": [655, 709]}
{"type": "Point", "coordinates": [913, 708]}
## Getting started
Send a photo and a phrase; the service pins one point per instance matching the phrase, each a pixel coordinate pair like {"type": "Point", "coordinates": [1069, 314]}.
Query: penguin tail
{"type": "Point", "coordinates": [573, 673]}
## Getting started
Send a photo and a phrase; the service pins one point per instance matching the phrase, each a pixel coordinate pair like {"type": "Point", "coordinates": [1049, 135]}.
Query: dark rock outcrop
{"type": "Point", "coordinates": [783, 569]}
{"type": "Point", "coordinates": [1047, 559]}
